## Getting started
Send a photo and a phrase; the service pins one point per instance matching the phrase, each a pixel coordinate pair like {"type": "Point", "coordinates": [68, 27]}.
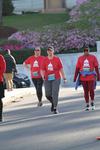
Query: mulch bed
{"type": "Point", "coordinates": [5, 31]}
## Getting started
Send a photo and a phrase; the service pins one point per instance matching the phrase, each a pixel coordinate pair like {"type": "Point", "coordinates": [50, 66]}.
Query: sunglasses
{"type": "Point", "coordinates": [86, 50]}
{"type": "Point", "coordinates": [37, 50]}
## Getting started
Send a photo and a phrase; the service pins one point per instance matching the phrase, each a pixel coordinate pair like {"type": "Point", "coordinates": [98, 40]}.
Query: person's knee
{"type": "Point", "coordinates": [48, 97]}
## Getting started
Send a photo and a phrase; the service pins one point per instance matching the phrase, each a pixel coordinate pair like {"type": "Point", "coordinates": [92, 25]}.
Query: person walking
{"type": "Point", "coordinates": [2, 70]}
{"type": "Point", "coordinates": [10, 70]}
{"type": "Point", "coordinates": [34, 63]}
{"type": "Point", "coordinates": [52, 70]}
{"type": "Point", "coordinates": [88, 72]}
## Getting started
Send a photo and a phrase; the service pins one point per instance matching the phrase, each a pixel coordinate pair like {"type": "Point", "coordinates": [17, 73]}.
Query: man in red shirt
{"type": "Point", "coordinates": [87, 69]}
{"type": "Point", "coordinates": [51, 70]}
{"type": "Point", "coordinates": [2, 70]}
{"type": "Point", "coordinates": [34, 63]}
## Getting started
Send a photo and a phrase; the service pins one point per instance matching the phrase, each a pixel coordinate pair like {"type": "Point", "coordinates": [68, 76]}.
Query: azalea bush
{"type": "Point", "coordinates": [79, 2]}
{"type": "Point", "coordinates": [62, 40]}
{"type": "Point", "coordinates": [28, 39]}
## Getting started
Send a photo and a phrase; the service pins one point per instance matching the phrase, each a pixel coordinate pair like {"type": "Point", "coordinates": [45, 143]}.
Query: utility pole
{"type": "Point", "coordinates": [1, 3]}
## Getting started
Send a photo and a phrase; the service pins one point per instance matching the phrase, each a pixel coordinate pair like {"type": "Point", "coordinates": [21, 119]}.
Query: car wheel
{"type": "Point", "coordinates": [15, 85]}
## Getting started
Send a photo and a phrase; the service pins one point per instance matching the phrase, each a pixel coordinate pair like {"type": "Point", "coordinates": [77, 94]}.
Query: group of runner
{"type": "Point", "coordinates": [49, 70]}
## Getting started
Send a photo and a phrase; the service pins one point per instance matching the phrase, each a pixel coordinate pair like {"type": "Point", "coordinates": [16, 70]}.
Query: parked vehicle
{"type": "Point", "coordinates": [21, 81]}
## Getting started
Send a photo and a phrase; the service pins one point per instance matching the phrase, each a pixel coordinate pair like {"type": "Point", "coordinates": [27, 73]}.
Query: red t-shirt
{"type": "Point", "coordinates": [2, 67]}
{"type": "Point", "coordinates": [35, 63]}
{"type": "Point", "coordinates": [52, 66]}
{"type": "Point", "coordinates": [87, 63]}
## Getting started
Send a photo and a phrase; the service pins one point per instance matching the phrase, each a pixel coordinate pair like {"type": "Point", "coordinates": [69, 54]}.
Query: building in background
{"type": "Point", "coordinates": [42, 5]}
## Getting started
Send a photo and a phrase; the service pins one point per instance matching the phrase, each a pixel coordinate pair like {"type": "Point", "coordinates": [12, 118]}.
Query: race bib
{"type": "Point", "coordinates": [86, 69]}
{"type": "Point", "coordinates": [51, 77]}
{"type": "Point", "coordinates": [35, 74]}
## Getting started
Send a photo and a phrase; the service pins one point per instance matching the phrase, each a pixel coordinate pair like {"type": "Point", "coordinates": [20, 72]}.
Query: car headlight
{"type": "Point", "coordinates": [23, 83]}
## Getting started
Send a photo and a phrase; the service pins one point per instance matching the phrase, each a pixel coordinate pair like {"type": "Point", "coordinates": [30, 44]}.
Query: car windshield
{"type": "Point", "coordinates": [21, 75]}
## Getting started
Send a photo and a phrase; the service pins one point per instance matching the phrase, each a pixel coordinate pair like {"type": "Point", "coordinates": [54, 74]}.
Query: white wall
{"type": "Point", "coordinates": [70, 3]}
{"type": "Point", "coordinates": [69, 62]}
{"type": "Point", "coordinates": [27, 5]}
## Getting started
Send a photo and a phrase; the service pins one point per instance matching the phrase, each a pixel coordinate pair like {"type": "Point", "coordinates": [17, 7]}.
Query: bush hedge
{"type": "Point", "coordinates": [22, 54]}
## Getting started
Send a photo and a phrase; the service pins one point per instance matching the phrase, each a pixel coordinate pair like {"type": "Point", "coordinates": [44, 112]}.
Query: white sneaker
{"type": "Point", "coordinates": [87, 108]}
{"type": "Point", "coordinates": [92, 106]}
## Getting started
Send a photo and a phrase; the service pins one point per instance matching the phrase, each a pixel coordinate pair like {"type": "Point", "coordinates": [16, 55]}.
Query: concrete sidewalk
{"type": "Point", "coordinates": [17, 93]}
{"type": "Point", "coordinates": [22, 92]}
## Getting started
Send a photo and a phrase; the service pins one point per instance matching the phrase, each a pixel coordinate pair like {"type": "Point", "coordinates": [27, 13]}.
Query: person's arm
{"type": "Point", "coordinates": [76, 74]}
{"type": "Point", "coordinates": [77, 69]}
{"type": "Point", "coordinates": [63, 74]}
{"type": "Point", "coordinates": [27, 65]}
{"type": "Point", "coordinates": [2, 65]}
{"type": "Point", "coordinates": [97, 72]}
{"type": "Point", "coordinates": [42, 72]}
{"type": "Point", "coordinates": [14, 65]}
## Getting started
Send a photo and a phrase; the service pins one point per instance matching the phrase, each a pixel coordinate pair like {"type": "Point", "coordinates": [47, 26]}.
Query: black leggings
{"type": "Point", "coordinates": [38, 83]}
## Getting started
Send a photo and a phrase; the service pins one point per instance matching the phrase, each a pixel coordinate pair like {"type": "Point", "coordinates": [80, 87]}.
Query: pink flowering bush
{"type": "Point", "coordinates": [28, 39]}
{"type": "Point", "coordinates": [65, 40]}
{"type": "Point", "coordinates": [79, 2]}
{"type": "Point", "coordinates": [62, 40]}
{"type": "Point", "coordinates": [75, 13]}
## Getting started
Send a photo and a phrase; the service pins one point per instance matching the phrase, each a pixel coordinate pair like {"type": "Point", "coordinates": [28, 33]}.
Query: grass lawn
{"type": "Point", "coordinates": [34, 21]}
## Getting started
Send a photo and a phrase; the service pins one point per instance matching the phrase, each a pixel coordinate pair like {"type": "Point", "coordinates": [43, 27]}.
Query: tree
{"type": "Point", "coordinates": [1, 2]}
{"type": "Point", "coordinates": [7, 7]}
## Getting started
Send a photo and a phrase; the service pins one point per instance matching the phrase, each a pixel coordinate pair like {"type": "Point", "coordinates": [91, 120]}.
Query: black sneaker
{"type": "Point", "coordinates": [87, 107]}
{"type": "Point", "coordinates": [0, 118]}
{"type": "Point", "coordinates": [40, 104]}
{"type": "Point", "coordinates": [55, 111]}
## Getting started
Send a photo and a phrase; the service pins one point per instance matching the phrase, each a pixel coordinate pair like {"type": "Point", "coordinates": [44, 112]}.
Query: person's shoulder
{"type": "Point", "coordinates": [80, 57]}
{"type": "Point", "coordinates": [42, 57]}
{"type": "Point", "coordinates": [1, 56]}
{"type": "Point", "coordinates": [56, 57]}
{"type": "Point", "coordinates": [30, 57]}
{"type": "Point", "coordinates": [92, 56]}
{"type": "Point", "coordinates": [45, 59]}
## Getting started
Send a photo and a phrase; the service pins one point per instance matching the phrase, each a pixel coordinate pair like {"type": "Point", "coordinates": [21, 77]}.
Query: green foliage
{"type": "Point", "coordinates": [22, 54]}
{"type": "Point", "coordinates": [7, 7]}
{"type": "Point", "coordinates": [34, 22]}
{"type": "Point", "coordinates": [13, 42]}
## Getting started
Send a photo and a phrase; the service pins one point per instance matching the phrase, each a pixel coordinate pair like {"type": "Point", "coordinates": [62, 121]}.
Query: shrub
{"type": "Point", "coordinates": [62, 40]}
{"type": "Point", "coordinates": [7, 7]}
{"type": "Point", "coordinates": [11, 44]}
{"type": "Point", "coordinates": [27, 38]}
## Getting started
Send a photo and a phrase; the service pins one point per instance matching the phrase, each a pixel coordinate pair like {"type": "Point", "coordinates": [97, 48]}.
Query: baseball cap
{"type": "Point", "coordinates": [37, 48]}
{"type": "Point", "coordinates": [51, 48]}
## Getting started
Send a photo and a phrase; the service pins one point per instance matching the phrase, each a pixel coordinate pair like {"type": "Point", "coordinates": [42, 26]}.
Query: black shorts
{"type": "Point", "coordinates": [1, 90]}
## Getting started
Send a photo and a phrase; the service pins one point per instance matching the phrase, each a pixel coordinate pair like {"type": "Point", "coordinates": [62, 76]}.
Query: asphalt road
{"type": "Point", "coordinates": [29, 127]}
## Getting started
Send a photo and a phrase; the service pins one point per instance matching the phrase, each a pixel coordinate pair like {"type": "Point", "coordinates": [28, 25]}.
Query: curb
{"type": "Point", "coordinates": [17, 93]}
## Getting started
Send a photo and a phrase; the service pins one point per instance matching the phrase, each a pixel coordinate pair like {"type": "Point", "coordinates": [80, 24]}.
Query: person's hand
{"type": "Point", "coordinates": [74, 80]}
{"type": "Point", "coordinates": [98, 79]}
{"type": "Point", "coordinates": [65, 80]}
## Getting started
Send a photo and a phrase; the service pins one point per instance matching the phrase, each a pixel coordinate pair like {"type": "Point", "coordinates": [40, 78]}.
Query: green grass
{"type": "Point", "coordinates": [34, 21]}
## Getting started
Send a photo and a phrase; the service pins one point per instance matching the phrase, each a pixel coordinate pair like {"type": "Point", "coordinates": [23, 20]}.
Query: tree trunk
{"type": "Point", "coordinates": [1, 2]}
